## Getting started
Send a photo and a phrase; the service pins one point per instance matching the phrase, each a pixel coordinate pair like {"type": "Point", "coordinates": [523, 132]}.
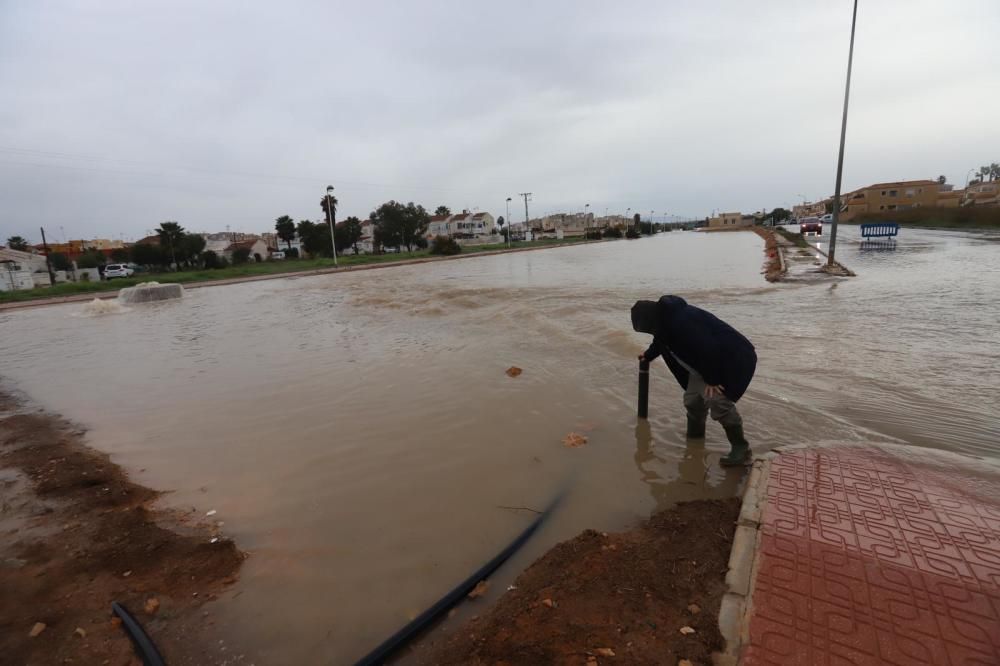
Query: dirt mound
{"type": "Point", "coordinates": [630, 594]}
{"type": "Point", "coordinates": [77, 534]}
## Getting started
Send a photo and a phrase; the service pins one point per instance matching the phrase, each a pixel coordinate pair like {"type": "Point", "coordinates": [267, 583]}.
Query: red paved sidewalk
{"type": "Point", "coordinates": [876, 554]}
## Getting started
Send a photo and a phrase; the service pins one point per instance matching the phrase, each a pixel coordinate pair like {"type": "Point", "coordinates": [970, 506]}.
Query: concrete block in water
{"type": "Point", "coordinates": [146, 292]}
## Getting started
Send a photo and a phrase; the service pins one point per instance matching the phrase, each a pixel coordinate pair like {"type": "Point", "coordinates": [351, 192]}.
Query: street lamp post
{"type": "Point", "coordinates": [510, 227]}
{"type": "Point", "coordinates": [586, 227]}
{"type": "Point", "coordinates": [329, 218]}
{"type": "Point", "coordinates": [843, 136]}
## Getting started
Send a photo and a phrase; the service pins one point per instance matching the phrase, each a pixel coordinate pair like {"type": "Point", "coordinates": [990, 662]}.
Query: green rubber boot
{"type": "Point", "coordinates": [696, 428]}
{"type": "Point", "coordinates": [739, 452]}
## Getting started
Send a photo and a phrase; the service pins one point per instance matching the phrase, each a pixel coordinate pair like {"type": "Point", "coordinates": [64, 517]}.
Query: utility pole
{"type": "Point", "coordinates": [843, 136]}
{"type": "Point", "coordinates": [48, 261]}
{"type": "Point", "coordinates": [527, 198]}
{"type": "Point", "coordinates": [510, 226]}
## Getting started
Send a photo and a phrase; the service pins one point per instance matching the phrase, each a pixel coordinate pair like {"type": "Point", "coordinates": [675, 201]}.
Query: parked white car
{"type": "Point", "coordinates": [112, 271]}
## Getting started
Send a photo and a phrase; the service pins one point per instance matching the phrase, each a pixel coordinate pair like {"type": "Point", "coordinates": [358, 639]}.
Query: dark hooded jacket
{"type": "Point", "coordinates": [715, 349]}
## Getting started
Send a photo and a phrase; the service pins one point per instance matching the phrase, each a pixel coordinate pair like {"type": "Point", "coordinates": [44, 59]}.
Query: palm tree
{"type": "Point", "coordinates": [985, 173]}
{"type": "Point", "coordinates": [995, 171]}
{"type": "Point", "coordinates": [285, 226]}
{"type": "Point", "coordinates": [331, 210]}
{"type": "Point", "coordinates": [171, 234]}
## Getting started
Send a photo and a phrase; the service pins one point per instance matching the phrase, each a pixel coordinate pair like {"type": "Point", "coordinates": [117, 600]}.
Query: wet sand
{"type": "Point", "coordinates": [78, 535]}
{"type": "Point", "coordinates": [609, 598]}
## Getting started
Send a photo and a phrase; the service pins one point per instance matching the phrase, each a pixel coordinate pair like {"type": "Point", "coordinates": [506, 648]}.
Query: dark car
{"type": "Point", "coordinates": [811, 224]}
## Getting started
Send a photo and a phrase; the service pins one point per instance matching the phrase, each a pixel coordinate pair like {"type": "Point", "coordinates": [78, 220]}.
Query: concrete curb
{"type": "Point", "coordinates": [734, 610]}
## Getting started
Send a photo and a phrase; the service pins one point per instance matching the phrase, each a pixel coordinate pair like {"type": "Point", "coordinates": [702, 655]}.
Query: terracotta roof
{"type": "Point", "coordinates": [479, 216]}
{"type": "Point", "coordinates": [459, 217]}
{"type": "Point", "coordinates": [248, 244]}
{"type": "Point", "coordinates": [902, 183]}
{"type": "Point", "coordinates": [439, 218]}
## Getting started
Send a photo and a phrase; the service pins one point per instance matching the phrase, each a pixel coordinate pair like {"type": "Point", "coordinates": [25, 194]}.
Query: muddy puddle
{"type": "Point", "coordinates": [358, 435]}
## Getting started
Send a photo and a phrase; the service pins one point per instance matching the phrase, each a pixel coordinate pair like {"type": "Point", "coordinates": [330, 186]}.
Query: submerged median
{"type": "Point", "coordinates": [79, 291]}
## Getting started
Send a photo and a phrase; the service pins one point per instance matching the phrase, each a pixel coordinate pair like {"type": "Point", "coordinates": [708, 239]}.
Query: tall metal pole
{"type": "Point", "coordinates": [329, 218]}
{"type": "Point", "coordinates": [510, 227]}
{"type": "Point", "coordinates": [843, 136]}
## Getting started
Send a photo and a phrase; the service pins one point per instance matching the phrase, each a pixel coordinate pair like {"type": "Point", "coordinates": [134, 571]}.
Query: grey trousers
{"type": "Point", "coordinates": [722, 408]}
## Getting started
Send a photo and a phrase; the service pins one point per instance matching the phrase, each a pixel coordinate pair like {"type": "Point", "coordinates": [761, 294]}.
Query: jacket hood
{"type": "Point", "coordinates": [644, 316]}
{"type": "Point", "coordinates": [648, 316]}
{"type": "Point", "coordinates": [671, 304]}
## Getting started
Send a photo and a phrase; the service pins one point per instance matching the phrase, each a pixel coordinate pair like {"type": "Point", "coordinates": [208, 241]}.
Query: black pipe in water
{"type": "Point", "coordinates": [401, 637]}
{"type": "Point", "coordinates": [643, 389]}
{"type": "Point", "coordinates": [142, 643]}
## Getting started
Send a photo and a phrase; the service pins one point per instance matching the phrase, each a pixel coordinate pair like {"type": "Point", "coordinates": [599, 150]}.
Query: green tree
{"type": "Point", "coordinates": [148, 255]}
{"type": "Point", "coordinates": [60, 262]}
{"type": "Point", "coordinates": [442, 210]}
{"type": "Point", "coordinates": [315, 238]}
{"type": "Point", "coordinates": [17, 243]}
{"type": "Point", "coordinates": [347, 234]}
{"type": "Point", "coordinates": [400, 224]}
{"type": "Point", "coordinates": [285, 228]}
{"type": "Point", "coordinates": [995, 171]}
{"type": "Point", "coordinates": [780, 214]}
{"type": "Point", "coordinates": [191, 247]}
{"type": "Point", "coordinates": [91, 258]}
{"type": "Point", "coordinates": [119, 255]}
{"type": "Point", "coordinates": [171, 234]}
{"type": "Point", "coordinates": [985, 173]}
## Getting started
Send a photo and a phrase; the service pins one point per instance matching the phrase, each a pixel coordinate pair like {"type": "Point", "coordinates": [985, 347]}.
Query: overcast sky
{"type": "Point", "coordinates": [116, 116]}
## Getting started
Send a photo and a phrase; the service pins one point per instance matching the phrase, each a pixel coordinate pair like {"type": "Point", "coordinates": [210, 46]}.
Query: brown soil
{"type": "Point", "coordinates": [772, 266]}
{"type": "Point", "coordinates": [75, 535]}
{"type": "Point", "coordinates": [629, 593]}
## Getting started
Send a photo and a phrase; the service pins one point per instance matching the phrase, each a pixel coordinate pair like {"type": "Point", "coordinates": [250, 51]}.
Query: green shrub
{"type": "Point", "coordinates": [632, 233]}
{"type": "Point", "coordinates": [241, 255]}
{"type": "Point", "coordinates": [594, 234]}
{"type": "Point", "coordinates": [612, 232]}
{"type": "Point", "coordinates": [445, 245]}
{"type": "Point", "coordinates": [210, 258]}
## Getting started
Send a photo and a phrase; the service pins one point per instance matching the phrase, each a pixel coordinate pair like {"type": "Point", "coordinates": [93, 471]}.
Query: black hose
{"type": "Point", "coordinates": [400, 638]}
{"type": "Point", "coordinates": [142, 643]}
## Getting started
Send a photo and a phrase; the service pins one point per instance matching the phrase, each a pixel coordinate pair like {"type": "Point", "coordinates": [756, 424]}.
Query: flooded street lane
{"type": "Point", "coordinates": [357, 434]}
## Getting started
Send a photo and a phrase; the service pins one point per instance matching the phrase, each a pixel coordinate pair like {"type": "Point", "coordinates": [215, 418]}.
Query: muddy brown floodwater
{"type": "Point", "coordinates": [358, 436]}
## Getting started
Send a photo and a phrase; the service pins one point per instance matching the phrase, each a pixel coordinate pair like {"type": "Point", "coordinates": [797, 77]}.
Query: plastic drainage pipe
{"type": "Point", "coordinates": [401, 637]}
{"type": "Point", "coordinates": [142, 643]}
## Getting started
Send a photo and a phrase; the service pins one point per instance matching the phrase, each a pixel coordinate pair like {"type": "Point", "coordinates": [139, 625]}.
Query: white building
{"type": "Point", "coordinates": [462, 225]}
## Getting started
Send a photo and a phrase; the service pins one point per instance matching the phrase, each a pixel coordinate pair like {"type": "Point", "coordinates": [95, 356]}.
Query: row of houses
{"type": "Point", "coordinates": [903, 195]}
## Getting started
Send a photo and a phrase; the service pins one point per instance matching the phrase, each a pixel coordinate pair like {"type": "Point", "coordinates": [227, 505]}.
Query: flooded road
{"type": "Point", "coordinates": [356, 433]}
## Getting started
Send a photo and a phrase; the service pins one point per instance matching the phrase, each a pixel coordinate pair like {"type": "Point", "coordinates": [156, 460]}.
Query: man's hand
{"type": "Point", "coordinates": [642, 357]}
{"type": "Point", "coordinates": [716, 391]}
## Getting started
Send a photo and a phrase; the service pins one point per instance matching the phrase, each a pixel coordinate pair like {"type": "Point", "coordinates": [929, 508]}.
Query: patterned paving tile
{"type": "Point", "coordinates": [868, 559]}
